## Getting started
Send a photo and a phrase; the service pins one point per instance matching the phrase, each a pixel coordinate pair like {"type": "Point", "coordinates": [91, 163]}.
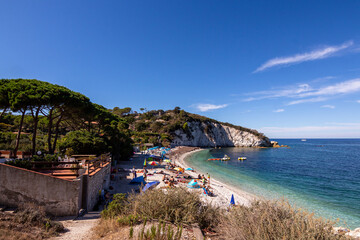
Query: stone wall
{"type": "Point", "coordinates": [59, 197]}
{"type": "Point", "coordinates": [95, 183]}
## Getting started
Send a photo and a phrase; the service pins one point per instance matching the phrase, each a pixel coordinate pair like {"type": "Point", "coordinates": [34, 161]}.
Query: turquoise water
{"type": "Point", "coordinates": [320, 175]}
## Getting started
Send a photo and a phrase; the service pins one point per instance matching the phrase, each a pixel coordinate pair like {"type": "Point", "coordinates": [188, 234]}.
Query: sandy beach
{"type": "Point", "coordinates": [222, 192]}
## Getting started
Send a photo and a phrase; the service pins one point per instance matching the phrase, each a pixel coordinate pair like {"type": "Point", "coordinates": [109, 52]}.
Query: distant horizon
{"type": "Point", "coordinates": [286, 69]}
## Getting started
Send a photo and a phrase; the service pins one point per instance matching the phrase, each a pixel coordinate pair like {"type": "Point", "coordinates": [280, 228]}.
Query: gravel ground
{"type": "Point", "coordinates": [80, 228]}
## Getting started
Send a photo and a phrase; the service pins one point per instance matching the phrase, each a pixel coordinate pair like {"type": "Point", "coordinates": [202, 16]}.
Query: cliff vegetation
{"type": "Point", "coordinates": [159, 127]}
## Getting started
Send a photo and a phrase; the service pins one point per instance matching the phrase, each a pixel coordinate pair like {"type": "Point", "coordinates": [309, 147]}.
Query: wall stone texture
{"type": "Point", "coordinates": [59, 197]}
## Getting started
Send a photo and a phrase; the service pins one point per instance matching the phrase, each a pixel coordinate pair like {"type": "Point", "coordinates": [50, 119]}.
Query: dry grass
{"type": "Point", "coordinates": [273, 220]}
{"type": "Point", "coordinates": [176, 208]}
{"type": "Point", "coordinates": [176, 205]}
{"type": "Point", "coordinates": [28, 222]}
{"type": "Point", "coordinates": [262, 220]}
{"type": "Point", "coordinates": [110, 229]}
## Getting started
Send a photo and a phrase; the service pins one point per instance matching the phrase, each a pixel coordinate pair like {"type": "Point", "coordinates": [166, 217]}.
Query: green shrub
{"type": "Point", "coordinates": [118, 206]}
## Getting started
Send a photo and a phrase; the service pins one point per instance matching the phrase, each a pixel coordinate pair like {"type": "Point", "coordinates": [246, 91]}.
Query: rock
{"type": "Point", "coordinates": [212, 134]}
{"type": "Point", "coordinates": [355, 234]}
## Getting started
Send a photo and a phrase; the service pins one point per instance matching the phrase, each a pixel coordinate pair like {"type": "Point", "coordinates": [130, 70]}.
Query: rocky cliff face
{"type": "Point", "coordinates": [210, 134]}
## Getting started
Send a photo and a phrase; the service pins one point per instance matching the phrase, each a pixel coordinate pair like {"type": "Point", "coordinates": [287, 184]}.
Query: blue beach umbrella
{"type": "Point", "coordinates": [189, 169]}
{"type": "Point", "coordinates": [150, 185]}
{"type": "Point", "coordinates": [193, 184]}
{"type": "Point", "coordinates": [138, 180]}
{"type": "Point", "coordinates": [232, 201]}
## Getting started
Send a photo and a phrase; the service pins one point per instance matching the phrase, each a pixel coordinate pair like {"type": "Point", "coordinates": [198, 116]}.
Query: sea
{"type": "Point", "coordinates": [317, 175]}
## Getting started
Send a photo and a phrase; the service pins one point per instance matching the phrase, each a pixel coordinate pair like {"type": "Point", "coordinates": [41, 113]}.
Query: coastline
{"type": "Point", "coordinates": [178, 155]}
{"type": "Point", "coordinates": [221, 190]}
{"type": "Point", "coordinates": [224, 191]}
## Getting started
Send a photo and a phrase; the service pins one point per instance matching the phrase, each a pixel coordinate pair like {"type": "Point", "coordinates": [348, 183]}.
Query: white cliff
{"type": "Point", "coordinates": [212, 134]}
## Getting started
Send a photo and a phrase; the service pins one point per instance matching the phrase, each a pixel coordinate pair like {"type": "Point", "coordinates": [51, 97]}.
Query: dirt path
{"type": "Point", "coordinates": [80, 228]}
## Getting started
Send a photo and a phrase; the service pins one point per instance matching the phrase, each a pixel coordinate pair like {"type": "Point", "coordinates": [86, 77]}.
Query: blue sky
{"type": "Point", "coordinates": [286, 68]}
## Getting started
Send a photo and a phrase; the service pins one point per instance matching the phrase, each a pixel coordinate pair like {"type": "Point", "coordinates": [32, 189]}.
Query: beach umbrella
{"type": "Point", "coordinates": [138, 180]}
{"type": "Point", "coordinates": [232, 201]}
{"type": "Point", "coordinates": [189, 169]}
{"type": "Point", "coordinates": [150, 185]}
{"type": "Point", "coordinates": [193, 184]}
{"type": "Point", "coordinates": [153, 163]}
{"type": "Point", "coordinates": [177, 169]}
{"type": "Point", "coordinates": [145, 162]}
{"type": "Point", "coordinates": [167, 160]}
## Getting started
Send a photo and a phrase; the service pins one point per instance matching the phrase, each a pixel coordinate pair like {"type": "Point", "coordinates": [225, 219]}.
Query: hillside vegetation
{"type": "Point", "coordinates": [40, 116]}
{"type": "Point", "coordinates": [159, 126]}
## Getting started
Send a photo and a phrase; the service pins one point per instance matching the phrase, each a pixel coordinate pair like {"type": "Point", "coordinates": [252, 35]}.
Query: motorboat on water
{"type": "Point", "coordinates": [225, 158]}
{"type": "Point", "coordinates": [303, 140]}
{"type": "Point", "coordinates": [214, 159]}
{"type": "Point", "coordinates": [241, 158]}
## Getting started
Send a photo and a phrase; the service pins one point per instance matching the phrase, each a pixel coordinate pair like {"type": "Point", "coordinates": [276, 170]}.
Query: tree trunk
{"type": "Point", "coordinates": [49, 129]}
{"type": "Point", "coordinates": [14, 154]}
{"type": "Point", "coordinates": [36, 120]}
{"type": "Point", "coordinates": [56, 134]}
{"type": "Point", "coordinates": [3, 112]}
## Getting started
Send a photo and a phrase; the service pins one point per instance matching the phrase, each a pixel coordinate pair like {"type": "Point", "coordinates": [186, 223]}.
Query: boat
{"type": "Point", "coordinates": [241, 158]}
{"type": "Point", "coordinates": [225, 158]}
{"type": "Point", "coordinates": [303, 140]}
{"type": "Point", "coordinates": [214, 159]}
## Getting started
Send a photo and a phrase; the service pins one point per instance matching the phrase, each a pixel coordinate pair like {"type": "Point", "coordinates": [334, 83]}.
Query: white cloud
{"type": "Point", "coordinates": [304, 57]}
{"type": "Point", "coordinates": [318, 99]}
{"type": "Point", "coordinates": [304, 93]}
{"type": "Point", "coordinates": [292, 91]}
{"type": "Point", "coordinates": [208, 107]}
{"type": "Point", "coordinates": [358, 101]}
{"type": "Point", "coordinates": [345, 87]}
{"type": "Point", "coordinates": [279, 110]}
{"type": "Point", "coordinates": [328, 106]}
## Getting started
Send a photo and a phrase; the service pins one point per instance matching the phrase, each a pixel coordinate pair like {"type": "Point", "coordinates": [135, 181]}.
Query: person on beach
{"type": "Point", "coordinates": [133, 172]}
{"type": "Point", "coordinates": [171, 181]}
{"type": "Point", "coordinates": [199, 176]}
{"type": "Point", "coordinates": [208, 176]}
{"type": "Point", "coordinates": [145, 173]}
{"type": "Point", "coordinates": [203, 178]}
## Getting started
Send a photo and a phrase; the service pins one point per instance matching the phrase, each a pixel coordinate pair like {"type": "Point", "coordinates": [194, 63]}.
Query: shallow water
{"type": "Point", "coordinates": [320, 175]}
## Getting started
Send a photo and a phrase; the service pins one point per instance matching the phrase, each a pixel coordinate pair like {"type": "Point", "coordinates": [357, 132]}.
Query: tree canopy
{"type": "Point", "coordinates": [58, 111]}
